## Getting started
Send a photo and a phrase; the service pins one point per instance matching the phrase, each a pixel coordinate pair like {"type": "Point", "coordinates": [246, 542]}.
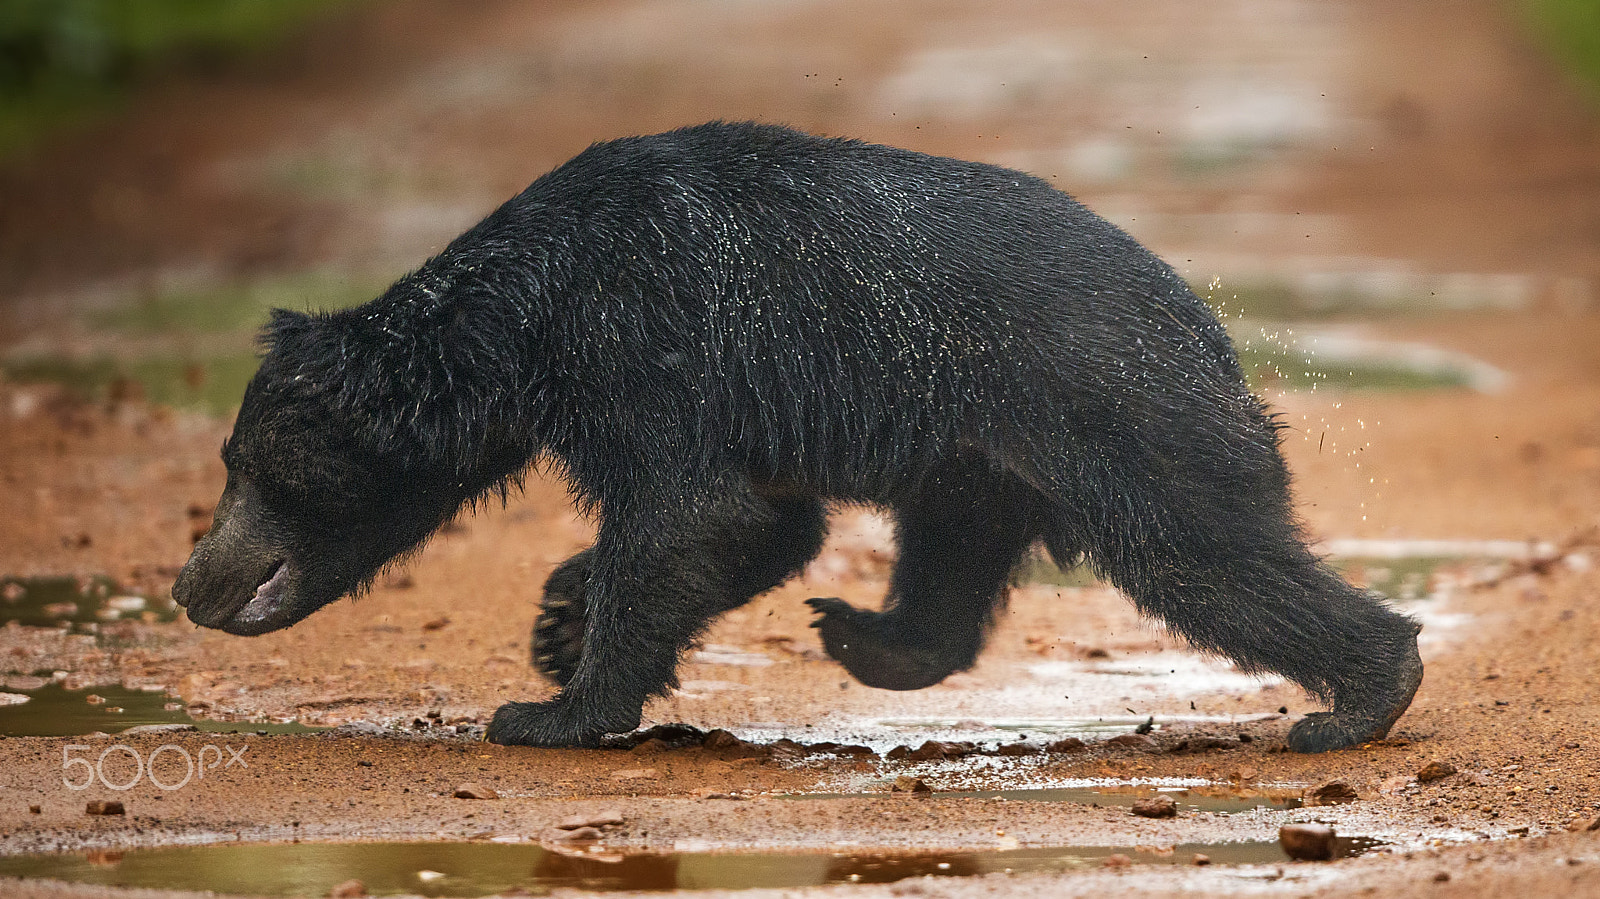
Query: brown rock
{"type": "Point", "coordinates": [1200, 860]}
{"type": "Point", "coordinates": [350, 889]}
{"type": "Point", "coordinates": [722, 739]}
{"type": "Point", "coordinates": [1155, 807]}
{"type": "Point", "coordinates": [104, 807]}
{"type": "Point", "coordinates": [1017, 750]}
{"type": "Point", "coordinates": [1117, 860]}
{"type": "Point", "coordinates": [1334, 792]}
{"type": "Point", "coordinates": [1433, 771]}
{"type": "Point", "coordinates": [905, 783]}
{"type": "Point", "coordinates": [1138, 741]}
{"type": "Point", "coordinates": [1066, 744]}
{"type": "Point", "coordinates": [474, 791]}
{"type": "Point", "coordinates": [1306, 842]}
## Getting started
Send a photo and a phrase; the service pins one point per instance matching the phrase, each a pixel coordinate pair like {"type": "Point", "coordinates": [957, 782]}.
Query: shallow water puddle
{"type": "Point", "coordinates": [475, 869]}
{"type": "Point", "coordinates": [82, 604]}
{"type": "Point", "coordinates": [51, 710]}
{"type": "Point", "coordinates": [1218, 798]}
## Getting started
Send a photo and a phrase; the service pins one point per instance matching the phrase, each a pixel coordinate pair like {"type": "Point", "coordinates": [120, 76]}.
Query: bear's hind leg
{"type": "Point", "coordinates": [960, 537]}
{"type": "Point", "coordinates": [1244, 586]}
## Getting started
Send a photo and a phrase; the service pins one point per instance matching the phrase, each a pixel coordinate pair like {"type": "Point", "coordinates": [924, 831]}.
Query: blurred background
{"type": "Point", "coordinates": [170, 169]}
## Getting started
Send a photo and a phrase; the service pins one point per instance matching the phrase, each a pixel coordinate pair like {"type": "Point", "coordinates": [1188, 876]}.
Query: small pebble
{"type": "Point", "coordinates": [1117, 860]}
{"type": "Point", "coordinates": [1200, 860]}
{"type": "Point", "coordinates": [1435, 771]}
{"type": "Point", "coordinates": [474, 791]}
{"type": "Point", "coordinates": [104, 807]}
{"type": "Point", "coordinates": [1334, 792]}
{"type": "Point", "coordinates": [1155, 807]}
{"type": "Point", "coordinates": [1306, 842]}
{"type": "Point", "coordinates": [905, 783]}
{"type": "Point", "coordinates": [350, 889]}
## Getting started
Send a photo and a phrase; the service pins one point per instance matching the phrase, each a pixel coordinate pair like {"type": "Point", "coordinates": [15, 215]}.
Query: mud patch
{"type": "Point", "coordinates": [475, 869]}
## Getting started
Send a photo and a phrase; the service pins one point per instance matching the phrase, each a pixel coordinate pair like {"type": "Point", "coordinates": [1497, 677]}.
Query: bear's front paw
{"type": "Point", "coordinates": [553, 723]}
{"type": "Point", "coordinates": [558, 632]}
{"type": "Point", "coordinates": [862, 642]}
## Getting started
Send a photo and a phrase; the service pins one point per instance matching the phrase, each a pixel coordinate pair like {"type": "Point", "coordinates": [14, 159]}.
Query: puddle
{"type": "Point", "coordinates": [476, 869]}
{"type": "Point", "coordinates": [1218, 798]}
{"type": "Point", "coordinates": [51, 710]}
{"type": "Point", "coordinates": [80, 604]}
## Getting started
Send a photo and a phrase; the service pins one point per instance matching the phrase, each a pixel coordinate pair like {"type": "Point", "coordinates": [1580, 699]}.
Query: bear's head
{"type": "Point", "coordinates": [325, 486]}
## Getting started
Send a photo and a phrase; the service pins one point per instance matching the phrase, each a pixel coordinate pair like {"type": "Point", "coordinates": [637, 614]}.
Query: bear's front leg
{"type": "Point", "coordinates": [648, 589]}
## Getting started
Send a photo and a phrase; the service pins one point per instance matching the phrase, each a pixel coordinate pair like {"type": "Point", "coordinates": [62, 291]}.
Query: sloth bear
{"type": "Point", "coordinates": [715, 333]}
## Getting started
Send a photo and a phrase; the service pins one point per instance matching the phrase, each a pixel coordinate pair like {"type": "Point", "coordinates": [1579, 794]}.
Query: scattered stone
{"type": "Point", "coordinates": [1200, 860]}
{"type": "Point", "coordinates": [606, 818]}
{"type": "Point", "coordinates": [427, 876]}
{"type": "Point", "coordinates": [935, 750]}
{"type": "Point", "coordinates": [474, 791]}
{"type": "Point", "coordinates": [788, 748]}
{"type": "Point", "coordinates": [1334, 792]}
{"type": "Point", "coordinates": [1066, 744]}
{"type": "Point", "coordinates": [1442, 877]}
{"type": "Point", "coordinates": [1137, 741]}
{"type": "Point", "coordinates": [1017, 750]}
{"type": "Point", "coordinates": [905, 783]}
{"type": "Point", "coordinates": [13, 699]}
{"type": "Point", "coordinates": [722, 741]}
{"type": "Point", "coordinates": [1117, 860]}
{"type": "Point", "coordinates": [95, 699]}
{"type": "Point", "coordinates": [1155, 807]}
{"type": "Point", "coordinates": [104, 807]}
{"type": "Point", "coordinates": [898, 753]}
{"type": "Point", "coordinates": [35, 809]}
{"type": "Point", "coordinates": [436, 624]}
{"type": "Point", "coordinates": [1306, 842]}
{"type": "Point", "coordinates": [1435, 771]}
{"type": "Point", "coordinates": [350, 889]}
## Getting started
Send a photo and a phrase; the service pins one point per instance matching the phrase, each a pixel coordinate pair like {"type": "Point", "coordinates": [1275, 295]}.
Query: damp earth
{"type": "Point", "coordinates": [1391, 207]}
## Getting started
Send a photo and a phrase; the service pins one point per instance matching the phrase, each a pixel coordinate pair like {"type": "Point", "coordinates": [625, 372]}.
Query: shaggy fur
{"type": "Point", "coordinates": [713, 332]}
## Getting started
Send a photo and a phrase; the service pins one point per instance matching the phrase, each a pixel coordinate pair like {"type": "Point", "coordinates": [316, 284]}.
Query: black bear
{"type": "Point", "coordinates": [715, 332]}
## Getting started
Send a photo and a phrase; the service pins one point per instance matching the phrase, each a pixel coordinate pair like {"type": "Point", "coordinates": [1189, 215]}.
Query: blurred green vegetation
{"type": "Point", "coordinates": [63, 59]}
{"type": "Point", "coordinates": [190, 348]}
{"type": "Point", "coordinates": [1572, 29]}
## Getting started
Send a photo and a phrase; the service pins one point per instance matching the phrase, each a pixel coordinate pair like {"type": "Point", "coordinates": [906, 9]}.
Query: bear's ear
{"type": "Point", "coordinates": [283, 324]}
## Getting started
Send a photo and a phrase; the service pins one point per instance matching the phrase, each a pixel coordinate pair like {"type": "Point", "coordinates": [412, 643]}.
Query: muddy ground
{"type": "Point", "coordinates": [1417, 168]}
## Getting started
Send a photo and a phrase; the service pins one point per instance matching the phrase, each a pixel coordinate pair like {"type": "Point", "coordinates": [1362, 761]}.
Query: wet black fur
{"type": "Point", "coordinates": [712, 332]}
